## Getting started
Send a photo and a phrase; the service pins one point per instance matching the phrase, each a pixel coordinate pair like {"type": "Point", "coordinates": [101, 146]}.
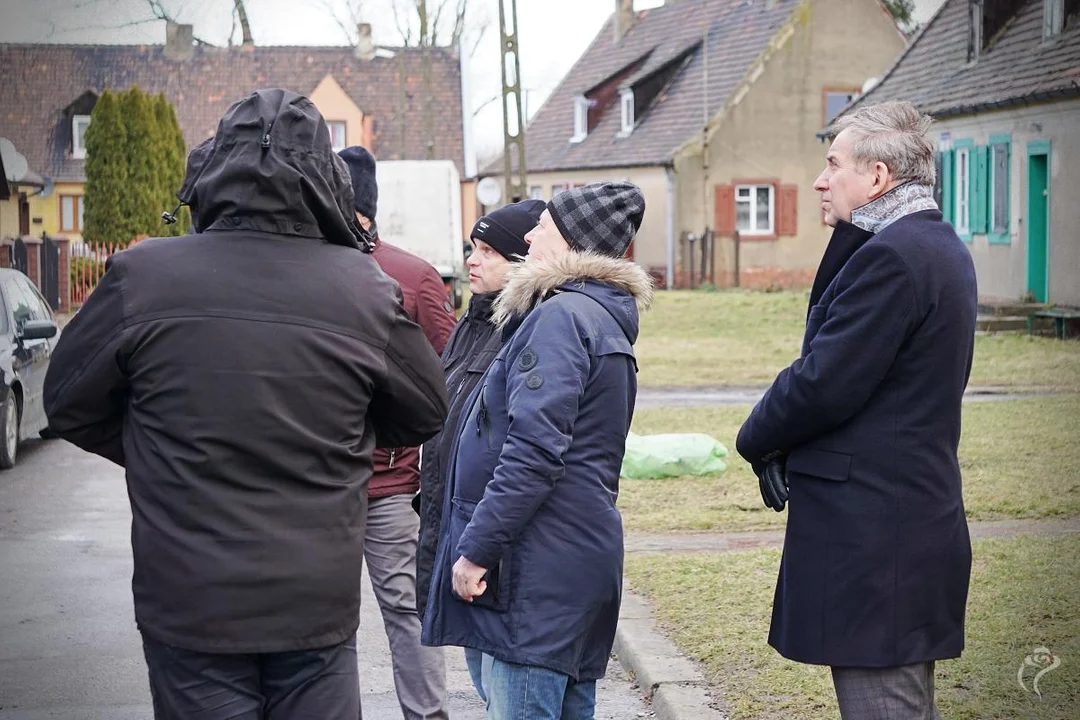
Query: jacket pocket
{"type": "Point", "coordinates": [497, 594]}
{"type": "Point", "coordinates": [822, 464]}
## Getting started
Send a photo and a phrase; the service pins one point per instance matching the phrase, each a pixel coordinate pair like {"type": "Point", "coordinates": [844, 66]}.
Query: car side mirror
{"type": "Point", "coordinates": [38, 330]}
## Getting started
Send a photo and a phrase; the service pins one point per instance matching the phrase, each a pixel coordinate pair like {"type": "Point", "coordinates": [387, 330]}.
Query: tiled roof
{"type": "Point", "coordinates": [737, 33]}
{"type": "Point", "coordinates": [1016, 67]}
{"type": "Point", "coordinates": [38, 82]}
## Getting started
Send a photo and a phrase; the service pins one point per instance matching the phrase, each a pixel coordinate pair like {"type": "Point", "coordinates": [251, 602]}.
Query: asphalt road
{"type": "Point", "coordinates": [68, 643]}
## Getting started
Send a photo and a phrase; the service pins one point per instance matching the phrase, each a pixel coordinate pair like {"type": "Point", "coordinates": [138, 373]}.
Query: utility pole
{"type": "Point", "coordinates": [513, 128]}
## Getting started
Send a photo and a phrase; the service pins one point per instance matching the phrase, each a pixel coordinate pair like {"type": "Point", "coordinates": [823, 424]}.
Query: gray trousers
{"type": "Point", "coordinates": [320, 683]}
{"type": "Point", "coordinates": [897, 693]}
{"type": "Point", "coordinates": [390, 552]}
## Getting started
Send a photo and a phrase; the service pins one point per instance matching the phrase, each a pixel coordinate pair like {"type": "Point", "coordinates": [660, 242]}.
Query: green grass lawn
{"type": "Point", "coordinates": [1023, 595]}
{"type": "Point", "coordinates": [1020, 459]}
{"type": "Point", "coordinates": [742, 337]}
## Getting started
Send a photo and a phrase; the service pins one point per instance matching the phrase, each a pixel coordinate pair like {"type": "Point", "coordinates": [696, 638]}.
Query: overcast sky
{"type": "Point", "coordinates": [552, 34]}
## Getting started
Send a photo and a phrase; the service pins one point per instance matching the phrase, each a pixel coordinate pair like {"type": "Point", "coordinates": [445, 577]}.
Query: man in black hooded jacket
{"type": "Point", "coordinates": [243, 376]}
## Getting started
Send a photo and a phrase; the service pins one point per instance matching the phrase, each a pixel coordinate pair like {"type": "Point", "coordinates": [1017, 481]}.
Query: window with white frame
{"type": "Point", "coordinates": [754, 209]}
{"type": "Point", "coordinates": [999, 188]}
{"type": "Point", "coordinates": [581, 118]}
{"type": "Point", "coordinates": [79, 123]}
{"type": "Point", "coordinates": [627, 102]}
{"type": "Point", "coordinates": [961, 201]}
{"type": "Point", "coordinates": [337, 134]}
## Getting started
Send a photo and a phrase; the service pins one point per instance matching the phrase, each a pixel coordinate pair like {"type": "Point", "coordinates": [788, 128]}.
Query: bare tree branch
{"type": "Point", "coordinates": [480, 27]}
{"type": "Point", "coordinates": [159, 11]}
{"type": "Point", "coordinates": [349, 25]}
{"type": "Point", "coordinates": [459, 23]}
{"type": "Point", "coordinates": [232, 28]}
{"type": "Point", "coordinates": [484, 104]}
{"type": "Point", "coordinates": [425, 27]}
{"type": "Point", "coordinates": [245, 26]}
{"type": "Point", "coordinates": [433, 28]}
{"type": "Point", "coordinates": [404, 28]}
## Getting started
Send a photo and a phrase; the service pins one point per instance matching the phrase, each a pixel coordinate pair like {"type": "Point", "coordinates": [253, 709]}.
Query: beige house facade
{"type": "Point", "coordinates": [721, 135]}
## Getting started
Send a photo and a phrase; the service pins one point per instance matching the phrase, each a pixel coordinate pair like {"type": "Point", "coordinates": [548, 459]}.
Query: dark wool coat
{"type": "Point", "coordinates": [876, 555]}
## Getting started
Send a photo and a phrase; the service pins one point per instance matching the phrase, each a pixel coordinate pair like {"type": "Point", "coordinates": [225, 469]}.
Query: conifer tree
{"type": "Point", "coordinates": [104, 211]}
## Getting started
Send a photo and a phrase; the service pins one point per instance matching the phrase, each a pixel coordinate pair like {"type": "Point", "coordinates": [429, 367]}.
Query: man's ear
{"type": "Point", "coordinates": [882, 180]}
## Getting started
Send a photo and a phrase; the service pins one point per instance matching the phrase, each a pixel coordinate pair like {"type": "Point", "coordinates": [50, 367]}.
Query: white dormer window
{"type": "Point", "coordinates": [581, 118]}
{"type": "Point", "coordinates": [79, 123]}
{"type": "Point", "coordinates": [1053, 18]}
{"type": "Point", "coordinates": [337, 134]}
{"type": "Point", "coordinates": [627, 103]}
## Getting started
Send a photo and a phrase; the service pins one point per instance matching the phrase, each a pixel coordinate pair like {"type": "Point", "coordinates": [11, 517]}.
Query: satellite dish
{"type": "Point", "coordinates": [15, 166]}
{"type": "Point", "coordinates": [489, 191]}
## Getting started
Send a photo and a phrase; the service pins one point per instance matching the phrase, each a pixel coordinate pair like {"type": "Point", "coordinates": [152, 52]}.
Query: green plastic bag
{"type": "Point", "coordinates": [653, 457]}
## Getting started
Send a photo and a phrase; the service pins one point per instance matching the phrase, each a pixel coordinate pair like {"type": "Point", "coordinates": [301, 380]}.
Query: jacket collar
{"type": "Point", "coordinates": [481, 306]}
{"type": "Point", "coordinates": [902, 200]}
{"type": "Point", "coordinates": [534, 280]}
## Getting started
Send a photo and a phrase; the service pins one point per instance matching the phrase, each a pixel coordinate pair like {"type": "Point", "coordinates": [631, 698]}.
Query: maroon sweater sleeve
{"type": "Point", "coordinates": [397, 471]}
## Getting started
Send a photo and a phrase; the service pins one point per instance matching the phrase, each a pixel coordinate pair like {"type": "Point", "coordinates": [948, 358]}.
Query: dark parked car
{"type": "Point", "coordinates": [28, 333]}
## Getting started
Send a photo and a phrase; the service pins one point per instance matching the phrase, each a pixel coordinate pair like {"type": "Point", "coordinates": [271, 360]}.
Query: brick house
{"type": "Point", "coordinates": [370, 96]}
{"type": "Point", "coordinates": [1002, 80]}
{"type": "Point", "coordinates": [712, 107]}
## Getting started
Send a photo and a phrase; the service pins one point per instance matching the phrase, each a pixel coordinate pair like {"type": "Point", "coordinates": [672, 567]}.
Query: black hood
{"type": "Point", "coordinates": [270, 168]}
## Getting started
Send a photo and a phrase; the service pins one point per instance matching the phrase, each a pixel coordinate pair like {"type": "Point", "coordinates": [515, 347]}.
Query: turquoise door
{"type": "Point", "coordinates": [1038, 258]}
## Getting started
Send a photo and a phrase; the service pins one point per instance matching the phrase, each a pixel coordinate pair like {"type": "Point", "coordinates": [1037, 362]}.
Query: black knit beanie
{"type": "Point", "coordinates": [505, 229]}
{"type": "Point", "coordinates": [362, 171]}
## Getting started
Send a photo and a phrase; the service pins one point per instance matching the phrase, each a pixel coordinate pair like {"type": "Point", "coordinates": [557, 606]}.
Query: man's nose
{"type": "Point", "coordinates": [473, 260]}
{"type": "Point", "coordinates": [820, 184]}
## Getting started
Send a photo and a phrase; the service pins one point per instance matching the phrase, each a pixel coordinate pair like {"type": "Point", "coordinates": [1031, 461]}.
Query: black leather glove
{"type": "Point", "coordinates": [773, 484]}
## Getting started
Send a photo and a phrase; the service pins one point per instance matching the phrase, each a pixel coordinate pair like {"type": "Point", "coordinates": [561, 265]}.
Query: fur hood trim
{"type": "Point", "coordinates": [531, 281]}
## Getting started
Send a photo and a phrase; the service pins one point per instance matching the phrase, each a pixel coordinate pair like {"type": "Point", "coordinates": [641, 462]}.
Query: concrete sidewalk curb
{"type": "Point", "coordinates": [677, 688]}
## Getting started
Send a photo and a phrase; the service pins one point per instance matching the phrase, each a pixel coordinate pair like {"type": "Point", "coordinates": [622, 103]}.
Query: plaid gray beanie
{"type": "Point", "coordinates": [600, 218]}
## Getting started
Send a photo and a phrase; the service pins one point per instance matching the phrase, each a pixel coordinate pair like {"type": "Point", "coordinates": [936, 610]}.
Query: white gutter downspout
{"type": "Point", "coordinates": [466, 113]}
{"type": "Point", "coordinates": [669, 172]}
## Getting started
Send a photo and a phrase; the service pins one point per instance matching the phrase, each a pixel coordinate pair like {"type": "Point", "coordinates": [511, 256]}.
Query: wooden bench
{"type": "Point", "coordinates": [1058, 315]}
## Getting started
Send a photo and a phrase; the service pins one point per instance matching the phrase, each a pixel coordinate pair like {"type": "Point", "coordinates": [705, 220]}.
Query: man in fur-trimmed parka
{"type": "Point", "coordinates": [529, 566]}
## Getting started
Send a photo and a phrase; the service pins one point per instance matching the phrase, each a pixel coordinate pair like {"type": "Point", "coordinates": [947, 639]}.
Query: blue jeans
{"type": "Point", "coordinates": [524, 692]}
{"type": "Point", "coordinates": [474, 659]}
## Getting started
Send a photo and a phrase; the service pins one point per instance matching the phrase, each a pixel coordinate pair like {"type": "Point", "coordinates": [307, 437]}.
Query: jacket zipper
{"type": "Point", "coordinates": [393, 456]}
{"type": "Point", "coordinates": [482, 415]}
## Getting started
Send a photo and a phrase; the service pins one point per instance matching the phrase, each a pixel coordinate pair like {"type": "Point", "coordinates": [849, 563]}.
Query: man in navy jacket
{"type": "Point", "coordinates": [862, 430]}
{"type": "Point", "coordinates": [529, 565]}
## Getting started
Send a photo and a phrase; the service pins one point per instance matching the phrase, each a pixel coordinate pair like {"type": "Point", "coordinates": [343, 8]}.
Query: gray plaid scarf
{"type": "Point", "coordinates": [879, 213]}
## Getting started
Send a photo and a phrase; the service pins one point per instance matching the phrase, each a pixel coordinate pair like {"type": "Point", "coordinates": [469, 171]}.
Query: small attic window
{"type": "Point", "coordinates": [975, 31]}
{"type": "Point", "coordinates": [581, 118]}
{"type": "Point", "coordinates": [627, 103]}
{"type": "Point", "coordinates": [79, 123]}
{"type": "Point", "coordinates": [1053, 18]}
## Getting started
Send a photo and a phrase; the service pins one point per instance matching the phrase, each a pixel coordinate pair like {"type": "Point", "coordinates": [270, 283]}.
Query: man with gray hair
{"type": "Point", "coordinates": [860, 433]}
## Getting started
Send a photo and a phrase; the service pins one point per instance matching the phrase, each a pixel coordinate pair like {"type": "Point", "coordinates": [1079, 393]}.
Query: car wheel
{"type": "Point", "coordinates": [9, 430]}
